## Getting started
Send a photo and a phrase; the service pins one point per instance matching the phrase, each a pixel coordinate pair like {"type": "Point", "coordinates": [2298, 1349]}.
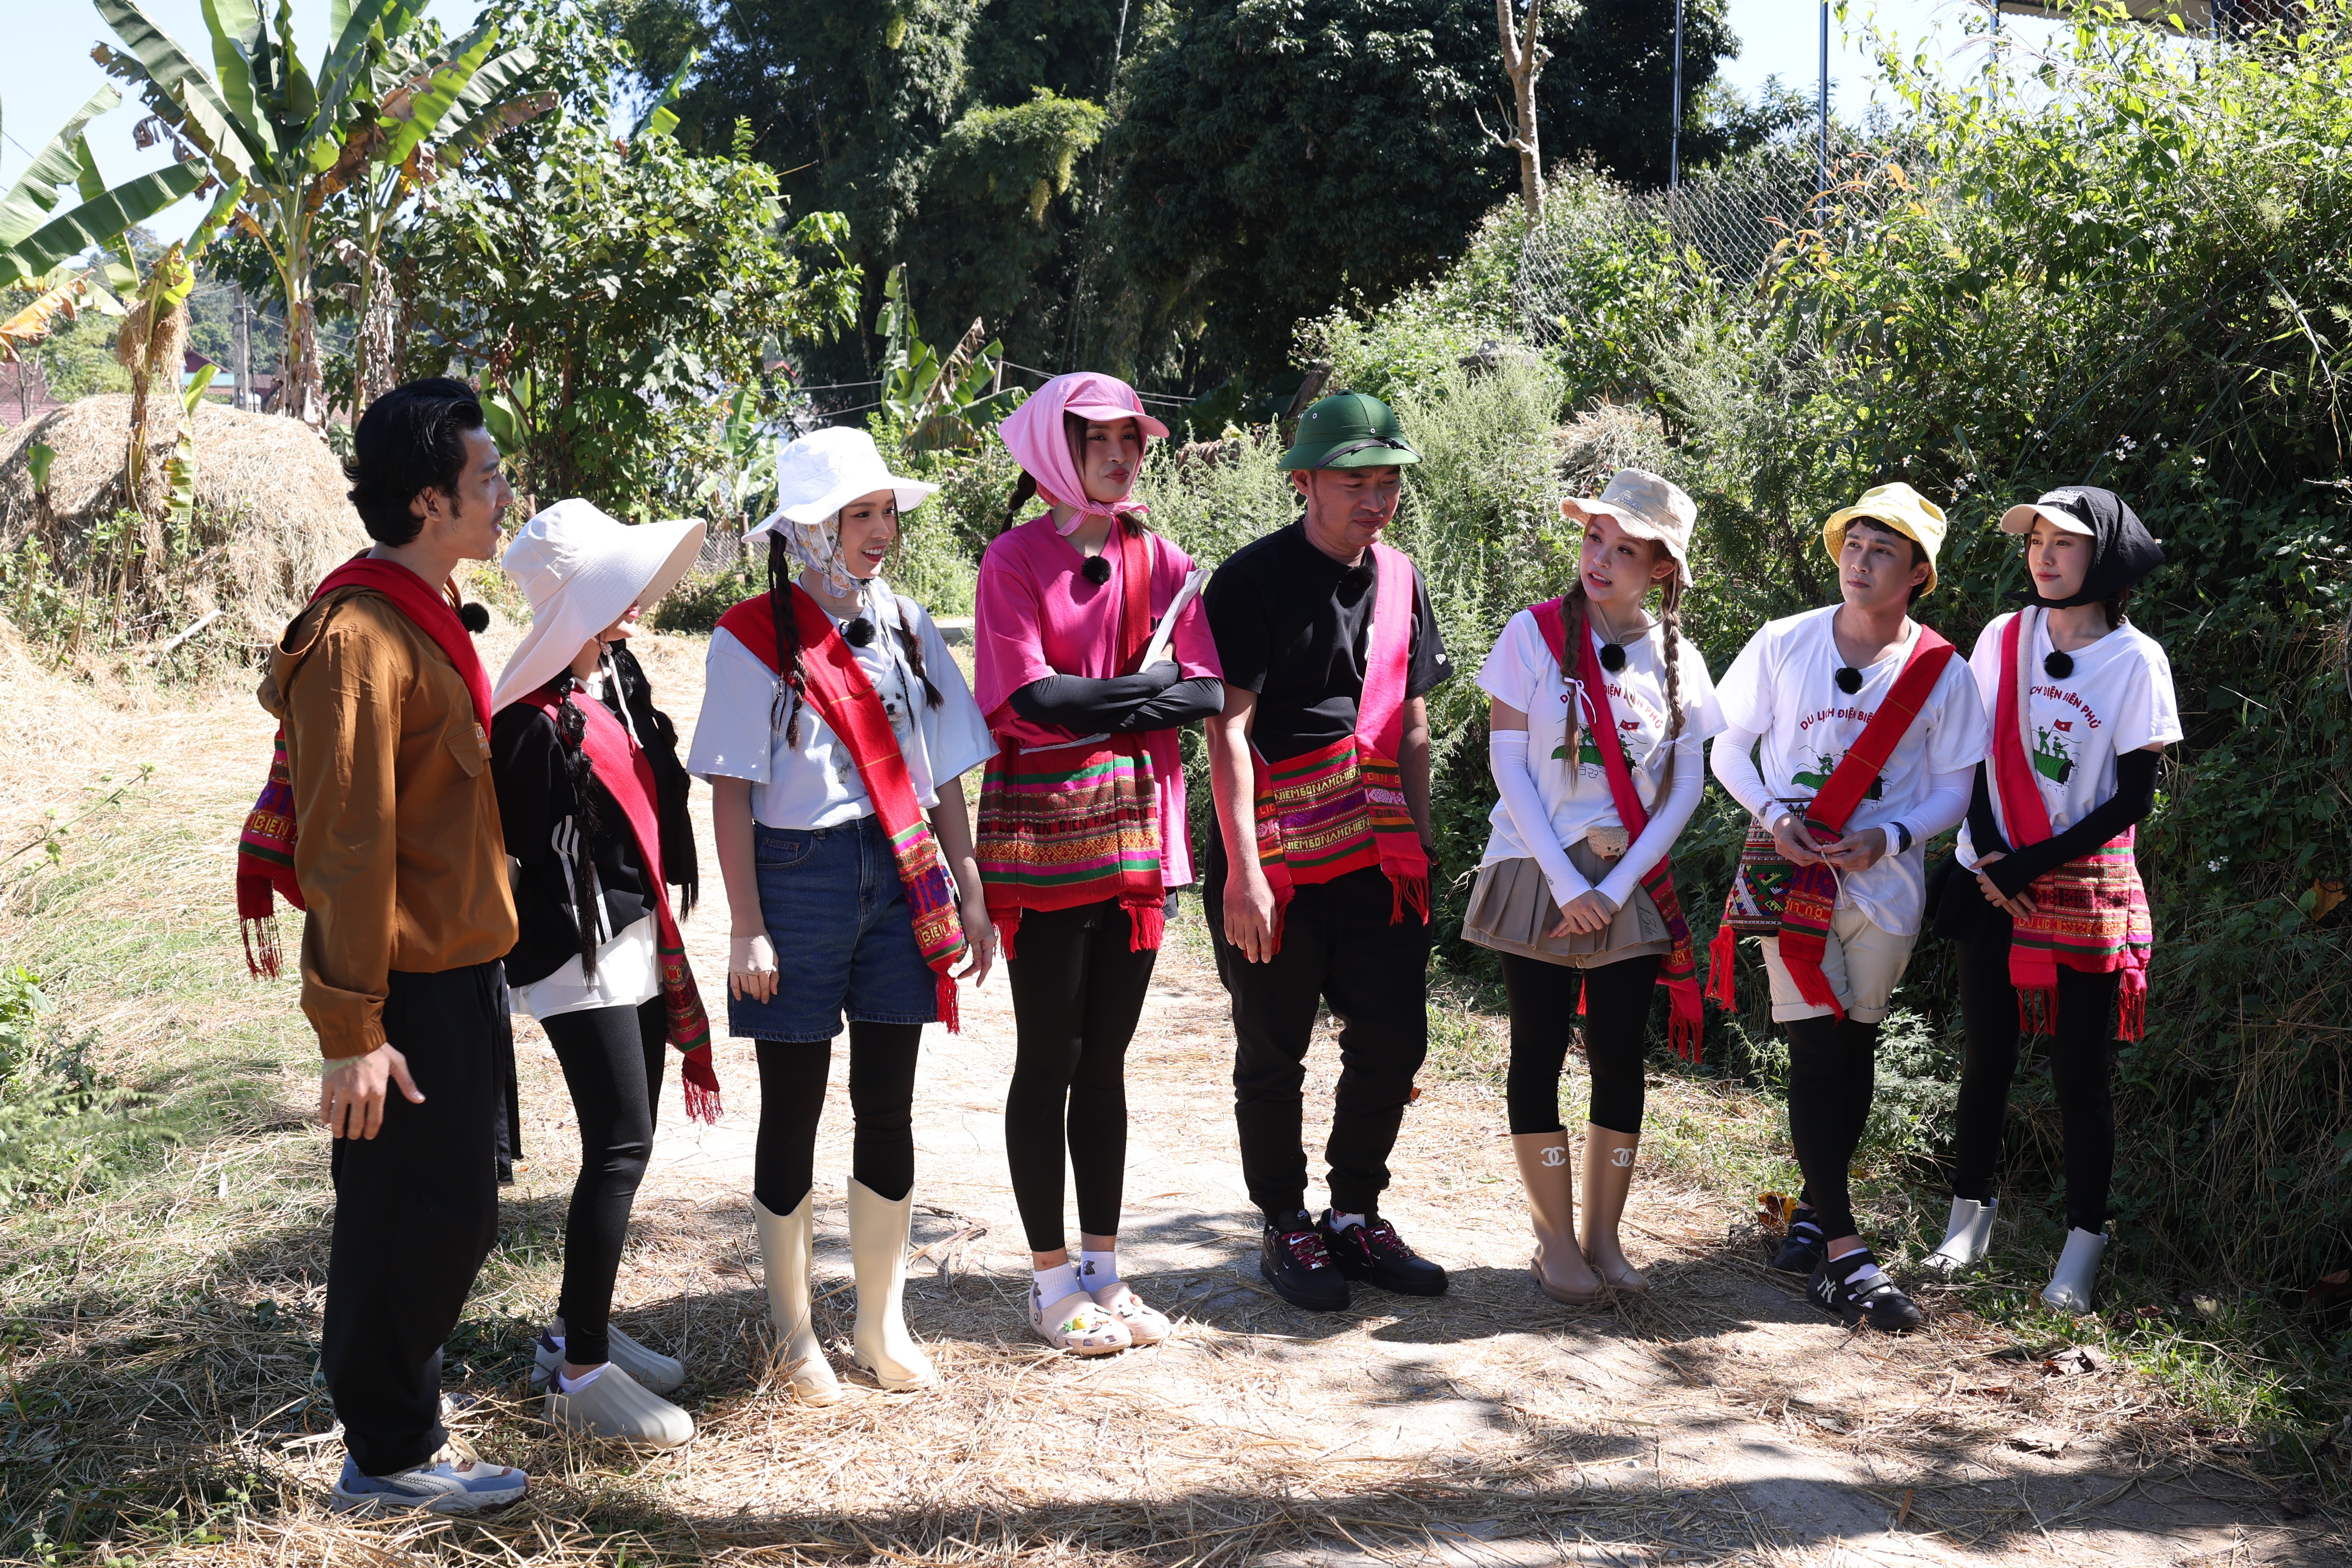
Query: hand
{"type": "Point", "coordinates": [2016, 908]}
{"type": "Point", "coordinates": [1856, 851]}
{"type": "Point", "coordinates": [1796, 844]}
{"type": "Point", "coordinates": [350, 1091]}
{"type": "Point", "coordinates": [980, 933]}
{"type": "Point", "coordinates": [750, 968]}
{"type": "Point", "coordinates": [1249, 913]}
{"type": "Point", "coordinates": [1588, 912]}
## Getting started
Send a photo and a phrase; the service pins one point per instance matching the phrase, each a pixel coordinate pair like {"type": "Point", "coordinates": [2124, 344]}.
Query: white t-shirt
{"type": "Point", "coordinates": [2118, 698]}
{"type": "Point", "coordinates": [816, 784]}
{"type": "Point", "coordinates": [1784, 685]}
{"type": "Point", "coordinates": [1521, 671]}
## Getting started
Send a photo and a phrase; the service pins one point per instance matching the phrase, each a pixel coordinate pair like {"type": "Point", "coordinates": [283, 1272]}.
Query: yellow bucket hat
{"type": "Point", "coordinates": [1900, 508]}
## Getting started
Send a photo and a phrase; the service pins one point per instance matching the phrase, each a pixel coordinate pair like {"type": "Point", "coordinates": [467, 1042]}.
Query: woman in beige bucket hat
{"type": "Point", "coordinates": [1597, 712]}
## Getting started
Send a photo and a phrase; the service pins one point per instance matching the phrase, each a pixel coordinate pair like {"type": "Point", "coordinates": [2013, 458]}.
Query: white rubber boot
{"type": "Point", "coordinates": [1966, 1240]}
{"type": "Point", "coordinates": [878, 1251]}
{"type": "Point", "coordinates": [787, 1242]}
{"type": "Point", "coordinates": [2069, 1289]}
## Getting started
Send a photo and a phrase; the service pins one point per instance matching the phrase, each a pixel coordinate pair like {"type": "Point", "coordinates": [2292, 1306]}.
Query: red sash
{"type": "Point", "coordinates": [621, 766]}
{"type": "Point", "coordinates": [1061, 827]}
{"type": "Point", "coordinates": [265, 851]}
{"type": "Point", "coordinates": [1341, 807]}
{"type": "Point", "coordinates": [844, 697]}
{"type": "Point", "coordinates": [2090, 915]}
{"type": "Point", "coordinates": [1687, 1025]}
{"type": "Point", "coordinates": [1811, 896]}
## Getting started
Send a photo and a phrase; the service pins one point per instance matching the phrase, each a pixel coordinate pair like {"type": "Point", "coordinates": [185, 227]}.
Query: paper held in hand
{"type": "Point", "coordinates": [1162, 635]}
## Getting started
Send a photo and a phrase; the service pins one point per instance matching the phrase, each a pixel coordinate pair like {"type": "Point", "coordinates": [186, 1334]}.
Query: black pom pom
{"type": "Point", "coordinates": [1848, 680]}
{"type": "Point", "coordinates": [2059, 665]}
{"type": "Point", "coordinates": [1612, 656]}
{"type": "Point", "coordinates": [1095, 571]}
{"type": "Point", "coordinates": [859, 632]}
{"type": "Point", "coordinates": [476, 618]}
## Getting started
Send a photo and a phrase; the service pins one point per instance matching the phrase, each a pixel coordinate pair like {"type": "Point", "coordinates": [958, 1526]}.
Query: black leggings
{"type": "Point", "coordinates": [2082, 1055]}
{"type": "Point", "coordinates": [881, 1098]}
{"type": "Point", "coordinates": [1832, 1070]}
{"type": "Point", "coordinates": [611, 1060]}
{"type": "Point", "coordinates": [1077, 992]}
{"type": "Point", "coordinates": [1616, 1038]}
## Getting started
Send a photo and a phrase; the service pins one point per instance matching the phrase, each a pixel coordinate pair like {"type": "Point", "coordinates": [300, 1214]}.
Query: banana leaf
{"type": "Point", "coordinates": [98, 223]}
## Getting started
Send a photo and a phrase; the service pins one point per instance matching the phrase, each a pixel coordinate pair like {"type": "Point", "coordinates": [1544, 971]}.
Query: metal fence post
{"type": "Point", "coordinates": [1674, 143]}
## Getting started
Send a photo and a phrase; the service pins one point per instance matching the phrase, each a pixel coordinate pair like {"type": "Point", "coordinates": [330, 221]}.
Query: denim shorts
{"type": "Point", "coordinates": [843, 936]}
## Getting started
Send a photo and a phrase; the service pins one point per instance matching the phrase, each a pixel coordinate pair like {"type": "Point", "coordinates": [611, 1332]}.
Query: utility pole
{"type": "Point", "coordinates": [1674, 141]}
{"type": "Point", "coordinates": [243, 354]}
{"type": "Point", "coordinates": [1822, 156]}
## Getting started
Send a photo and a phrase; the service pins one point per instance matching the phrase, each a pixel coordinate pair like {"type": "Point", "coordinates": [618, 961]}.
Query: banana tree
{"type": "Point", "coordinates": [940, 403]}
{"type": "Point", "coordinates": [154, 329]}
{"type": "Point", "coordinates": [296, 140]}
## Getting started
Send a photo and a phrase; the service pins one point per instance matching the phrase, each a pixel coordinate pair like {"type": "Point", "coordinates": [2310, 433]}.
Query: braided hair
{"type": "Point", "coordinates": [785, 711]}
{"type": "Point", "coordinates": [1670, 617]}
{"type": "Point", "coordinates": [571, 725]}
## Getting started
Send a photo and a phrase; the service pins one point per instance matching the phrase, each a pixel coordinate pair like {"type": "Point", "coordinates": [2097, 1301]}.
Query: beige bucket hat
{"type": "Point", "coordinates": [1646, 506]}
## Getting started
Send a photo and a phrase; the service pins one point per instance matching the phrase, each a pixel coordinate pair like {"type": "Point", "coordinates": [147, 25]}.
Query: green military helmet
{"type": "Point", "coordinates": [1349, 430]}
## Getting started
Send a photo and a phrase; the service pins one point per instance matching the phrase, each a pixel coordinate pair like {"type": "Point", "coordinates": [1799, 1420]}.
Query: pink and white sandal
{"type": "Point", "coordinates": [1146, 1324]}
{"type": "Point", "coordinates": [1075, 1325]}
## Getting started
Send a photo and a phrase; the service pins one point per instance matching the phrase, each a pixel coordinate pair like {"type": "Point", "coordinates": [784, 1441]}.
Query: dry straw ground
{"type": "Point", "coordinates": [158, 1333]}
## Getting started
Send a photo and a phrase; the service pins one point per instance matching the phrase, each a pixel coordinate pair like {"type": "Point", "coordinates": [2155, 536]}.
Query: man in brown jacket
{"type": "Point", "coordinates": [403, 870]}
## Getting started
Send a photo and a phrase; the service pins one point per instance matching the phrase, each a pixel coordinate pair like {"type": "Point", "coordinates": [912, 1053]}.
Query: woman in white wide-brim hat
{"type": "Point", "coordinates": [835, 729]}
{"type": "Point", "coordinates": [1597, 711]}
{"type": "Point", "coordinates": [593, 800]}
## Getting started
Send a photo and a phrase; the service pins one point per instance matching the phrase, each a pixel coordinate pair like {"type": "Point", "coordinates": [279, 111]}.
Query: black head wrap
{"type": "Point", "coordinates": [2123, 552]}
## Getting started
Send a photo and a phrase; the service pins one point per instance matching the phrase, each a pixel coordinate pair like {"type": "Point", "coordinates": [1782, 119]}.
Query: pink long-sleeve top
{"type": "Point", "coordinates": [1037, 615]}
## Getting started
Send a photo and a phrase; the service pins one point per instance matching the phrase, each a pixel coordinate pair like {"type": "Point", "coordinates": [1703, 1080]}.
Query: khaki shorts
{"type": "Point", "coordinates": [1862, 964]}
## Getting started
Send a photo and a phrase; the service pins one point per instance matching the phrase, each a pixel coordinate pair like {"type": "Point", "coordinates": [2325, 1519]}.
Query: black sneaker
{"type": "Point", "coordinates": [1876, 1301]}
{"type": "Point", "coordinates": [1292, 1260]}
{"type": "Point", "coordinates": [1374, 1253]}
{"type": "Point", "coordinates": [1800, 1250]}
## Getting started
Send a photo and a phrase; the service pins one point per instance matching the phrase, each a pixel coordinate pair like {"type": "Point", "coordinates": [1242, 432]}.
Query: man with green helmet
{"type": "Point", "coordinates": [1318, 884]}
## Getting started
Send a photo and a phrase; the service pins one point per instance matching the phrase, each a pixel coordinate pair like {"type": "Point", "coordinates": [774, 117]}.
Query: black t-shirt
{"type": "Point", "coordinates": [1291, 625]}
{"type": "Point", "coordinates": [535, 795]}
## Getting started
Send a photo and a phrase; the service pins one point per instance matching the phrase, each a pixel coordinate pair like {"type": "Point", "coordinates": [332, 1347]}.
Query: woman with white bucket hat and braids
{"type": "Point", "coordinates": [581, 766]}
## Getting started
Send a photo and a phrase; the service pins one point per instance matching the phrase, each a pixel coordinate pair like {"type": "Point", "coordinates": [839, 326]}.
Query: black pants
{"type": "Point", "coordinates": [416, 1209]}
{"type": "Point", "coordinates": [1616, 1035]}
{"type": "Point", "coordinates": [1337, 946]}
{"type": "Point", "coordinates": [791, 1101]}
{"type": "Point", "coordinates": [1832, 1070]}
{"type": "Point", "coordinates": [611, 1060]}
{"type": "Point", "coordinates": [2082, 1057]}
{"type": "Point", "coordinates": [1077, 992]}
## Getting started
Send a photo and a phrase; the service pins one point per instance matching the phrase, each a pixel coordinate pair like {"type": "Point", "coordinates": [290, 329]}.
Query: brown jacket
{"type": "Point", "coordinates": [398, 848]}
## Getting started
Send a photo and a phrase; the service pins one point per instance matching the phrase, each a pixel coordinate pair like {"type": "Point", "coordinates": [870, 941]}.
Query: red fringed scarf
{"type": "Point", "coordinates": [1341, 807]}
{"type": "Point", "coordinates": [264, 850]}
{"type": "Point", "coordinates": [1065, 826]}
{"type": "Point", "coordinates": [1808, 896]}
{"type": "Point", "coordinates": [1687, 1025]}
{"type": "Point", "coordinates": [2090, 915]}
{"type": "Point", "coordinates": [844, 697]}
{"type": "Point", "coordinates": [626, 774]}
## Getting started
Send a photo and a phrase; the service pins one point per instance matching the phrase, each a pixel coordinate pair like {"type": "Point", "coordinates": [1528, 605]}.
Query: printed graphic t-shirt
{"type": "Point", "coordinates": [2118, 697]}
{"type": "Point", "coordinates": [1292, 625]}
{"type": "Point", "coordinates": [1784, 685]}
{"type": "Point", "coordinates": [1521, 671]}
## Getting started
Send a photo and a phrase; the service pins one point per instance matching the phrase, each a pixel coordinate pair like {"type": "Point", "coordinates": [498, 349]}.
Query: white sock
{"type": "Point", "coordinates": [1097, 1269]}
{"type": "Point", "coordinates": [574, 1384]}
{"type": "Point", "coordinates": [554, 1339]}
{"type": "Point", "coordinates": [1047, 1286]}
{"type": "Point", "coordinates": [1342, 1221]}
{"type": "Point", "coordinates": [1866, 1266]}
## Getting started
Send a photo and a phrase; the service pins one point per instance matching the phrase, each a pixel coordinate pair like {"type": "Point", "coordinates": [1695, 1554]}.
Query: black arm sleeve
{"type": "Point", "coordinates": [1984, 831]}
{"type": "Point", "coordinates": [1080, 705]}
{"type": "Point", "coordinates": [1202, 697]}
{"type": "Point", "coordinates": [2134, 798]}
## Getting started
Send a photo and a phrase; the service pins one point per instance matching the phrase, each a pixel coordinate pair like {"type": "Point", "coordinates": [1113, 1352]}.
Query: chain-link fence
{"type": "Point", "coordinates": [1728, 222]}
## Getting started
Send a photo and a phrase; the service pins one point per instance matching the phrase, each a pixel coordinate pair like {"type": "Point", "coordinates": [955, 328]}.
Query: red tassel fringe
{"type": "Point", "coordinates": [698, 1081]}
{"type": "Point", "coordinates": [261, 953]}
{"type": "Point", "coordinates": [2131, 1007]}
{"type": "Point", "coordinates": [1146, 924]}
{"type": "Point", "coordinates": [1008, 926]}
{"type": "Point", "coordinates": [1722, 966]}
{"type": "Point", "coordinates": [2037, 1009]}
{"type": "Point", "coordinates": [1408, 892]}
{"type": "Point", "coordinates": [948, 1013]}
{"type": "Point", "coordinates": [1686, 1021]}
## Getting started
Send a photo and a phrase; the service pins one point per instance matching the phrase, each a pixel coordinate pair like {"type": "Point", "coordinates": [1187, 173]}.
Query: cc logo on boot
{"type": "Point", "coordinates": [1555, 1155]}
{"type": "Point", "coordinates": [1620, 1157]}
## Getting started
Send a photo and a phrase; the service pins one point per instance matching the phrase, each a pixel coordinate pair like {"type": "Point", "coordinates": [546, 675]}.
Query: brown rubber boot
{"type": "Point", "coordinates": [1608, 1178]}
{"type": "Point", "coordinates": [1560, 1268]}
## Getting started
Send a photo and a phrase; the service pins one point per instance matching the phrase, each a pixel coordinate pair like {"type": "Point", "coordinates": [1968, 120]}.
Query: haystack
{"type": "Point", "coordinates": [271, 517]}
{"type": "Point", "coordinates": [1604, 438]}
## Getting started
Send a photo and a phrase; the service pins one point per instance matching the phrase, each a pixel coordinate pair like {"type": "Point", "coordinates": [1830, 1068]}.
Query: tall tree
{"type": "Point", "coordinates": [1523, 61]}
{"type": "Point", "coordinates": [1607, 92]}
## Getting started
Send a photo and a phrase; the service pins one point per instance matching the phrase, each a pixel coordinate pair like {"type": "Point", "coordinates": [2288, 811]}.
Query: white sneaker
{"type": "Point", "coordinates": [653, 1370]}
{"type": "Point", "coordinates": [613, 1405]}
{"type": "Point", "coordinates": [445, 1484]}
{"type": "Point", "coordinates": [1967, 1238]}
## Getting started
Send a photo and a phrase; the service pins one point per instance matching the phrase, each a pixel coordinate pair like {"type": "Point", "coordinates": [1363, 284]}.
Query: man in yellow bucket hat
{"type": "Point", "coordinates": [1851, 735]}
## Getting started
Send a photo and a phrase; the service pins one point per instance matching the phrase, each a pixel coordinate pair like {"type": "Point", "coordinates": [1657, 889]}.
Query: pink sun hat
{"type": "Point", "coordinates": [1032, 433]}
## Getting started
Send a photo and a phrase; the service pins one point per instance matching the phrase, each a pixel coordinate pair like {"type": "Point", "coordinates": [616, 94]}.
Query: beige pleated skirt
{"type": "Point", "coordinates": [1511, 909]}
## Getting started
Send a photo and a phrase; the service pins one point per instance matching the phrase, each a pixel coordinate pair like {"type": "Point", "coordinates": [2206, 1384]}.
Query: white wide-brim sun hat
{"type": "Point", "coordinates": [826, 469]}
{"type": "Point", "coordinates": [581, 570]}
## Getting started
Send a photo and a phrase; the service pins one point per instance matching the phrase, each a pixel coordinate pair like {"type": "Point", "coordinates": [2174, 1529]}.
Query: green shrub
{"type": "Point", "coordinates": [64, 1126]}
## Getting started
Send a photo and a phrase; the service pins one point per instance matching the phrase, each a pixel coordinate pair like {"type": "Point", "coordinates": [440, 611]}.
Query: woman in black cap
{"type": "Point", "coordinates": [2058, 942]}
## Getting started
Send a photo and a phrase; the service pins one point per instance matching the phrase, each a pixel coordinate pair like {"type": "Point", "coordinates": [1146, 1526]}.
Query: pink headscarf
{"type": "Point", "coordinates": [1032, 433]}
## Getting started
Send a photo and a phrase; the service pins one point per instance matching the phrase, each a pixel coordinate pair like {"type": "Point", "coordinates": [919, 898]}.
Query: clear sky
{"type": "Point", "coordinates": [1782, 37]}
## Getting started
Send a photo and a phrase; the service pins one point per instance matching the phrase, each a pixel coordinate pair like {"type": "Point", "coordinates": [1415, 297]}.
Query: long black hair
{"type": "Point", "coordinates": [672, 783]}
{"type": "Point", "coordinates": [785, 714]}
{"type": "Point", "coordinates": [587, 819]}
